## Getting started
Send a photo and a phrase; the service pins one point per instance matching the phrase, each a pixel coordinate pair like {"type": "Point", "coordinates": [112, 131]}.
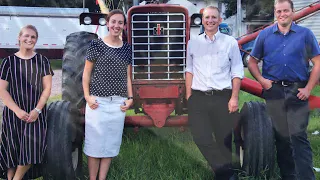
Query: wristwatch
{"type": "Point", "coordinates": [130, 97]}
{"type": "Point", "coordinates": [38, 110]}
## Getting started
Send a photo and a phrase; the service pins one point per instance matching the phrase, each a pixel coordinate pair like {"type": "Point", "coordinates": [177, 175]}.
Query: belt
{"type": "Point", "coordinates": [289, 83]}
{"type": "Point", "coordinates": [210, 92]}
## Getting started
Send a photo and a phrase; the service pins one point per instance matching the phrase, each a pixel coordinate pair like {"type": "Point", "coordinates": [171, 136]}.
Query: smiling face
{"type": "Point", "coordinates": [115, 24]}
{"type": "Point", "coordinates": [211, 20]}
{"type": "Point", "coordinates": [27, 39]}
{"type": "Point", "coordinates": [284, 13]}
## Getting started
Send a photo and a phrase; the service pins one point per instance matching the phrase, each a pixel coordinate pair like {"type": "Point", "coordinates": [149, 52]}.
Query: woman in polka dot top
{"type": "Point", "coordinates": [108, 91]}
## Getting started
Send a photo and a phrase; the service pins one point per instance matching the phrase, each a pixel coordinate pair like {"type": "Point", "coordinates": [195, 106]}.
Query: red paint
{"type": "Point", "coordinates": [146, 121]}
{"type": "Point", "coordinates": [159, 112]}
{"type": "Point", "coordinates": [158, 30]}
{"type": "Point", "coordinates": [158, 92]}
{"type": "Point", "coordinates": [97, 29]}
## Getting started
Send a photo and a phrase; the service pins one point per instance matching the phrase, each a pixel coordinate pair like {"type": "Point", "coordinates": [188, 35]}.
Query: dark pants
{"type": "Point", "coordinates": [290, 117]}
{"type": "Point", "coordinates": [209, 116]}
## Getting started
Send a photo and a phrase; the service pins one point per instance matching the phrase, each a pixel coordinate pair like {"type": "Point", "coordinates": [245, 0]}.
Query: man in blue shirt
{"type": "Point", "coordinates": [286, 49]}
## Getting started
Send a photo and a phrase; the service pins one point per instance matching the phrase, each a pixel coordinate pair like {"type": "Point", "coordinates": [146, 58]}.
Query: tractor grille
{"type": "Point", "coordinates": [158, 46]}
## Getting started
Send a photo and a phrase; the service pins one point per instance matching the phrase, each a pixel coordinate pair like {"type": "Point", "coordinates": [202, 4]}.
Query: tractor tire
{"type": "Point", "coordinates": [257, 141]}
{"type": "Point", "coordinates": [72, 68]}
{"type": "Point", "coordinates": [64, 154]}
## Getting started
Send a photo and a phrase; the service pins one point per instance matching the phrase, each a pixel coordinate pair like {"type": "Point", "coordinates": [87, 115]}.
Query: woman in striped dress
{"type": "Point", "coordinates": [25, 86]}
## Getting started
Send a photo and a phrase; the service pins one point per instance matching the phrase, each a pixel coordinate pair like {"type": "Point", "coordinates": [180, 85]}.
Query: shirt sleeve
{"type": "Point", "coordinates": [312, 45]}
{"type": "Point", "coordinates": [47, 70]}
{"type": "Point", "coordinates": [236, 61]}
{"type": "Point", "coordinates": [92, 51]}
{"type": "Point", "coordinates": [257, 50]}
{"type": "Point", "coordinates": [189, 61]}
{"type": "Point", "coordinates": [5, 70]}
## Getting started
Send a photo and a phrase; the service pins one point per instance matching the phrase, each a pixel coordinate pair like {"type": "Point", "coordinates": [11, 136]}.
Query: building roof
{"type": "Point", "coordinates": [40, 11]}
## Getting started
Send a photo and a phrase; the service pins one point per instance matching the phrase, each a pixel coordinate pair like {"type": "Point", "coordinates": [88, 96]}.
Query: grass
{"type": "Point", "coordinates": [56, 64]}
{"type": "Point", "coordinates": [170, 153]}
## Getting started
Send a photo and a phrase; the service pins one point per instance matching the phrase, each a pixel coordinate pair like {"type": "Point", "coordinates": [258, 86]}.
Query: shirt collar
{"type": "Point", "coordinates": [216, 35]}
{"type": "Point", "coordinates": [293, 28]}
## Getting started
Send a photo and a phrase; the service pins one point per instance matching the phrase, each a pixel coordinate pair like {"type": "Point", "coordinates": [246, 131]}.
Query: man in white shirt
{"type": "Point", "coordinates": [213, 77]}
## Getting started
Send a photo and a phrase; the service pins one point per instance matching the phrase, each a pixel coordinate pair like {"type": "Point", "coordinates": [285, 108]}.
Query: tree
{"type": "Point", "coordinates": [255, 9]}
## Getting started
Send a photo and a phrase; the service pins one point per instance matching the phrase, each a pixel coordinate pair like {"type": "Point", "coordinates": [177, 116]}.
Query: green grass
{"type": "Point", "coordinates": [170, 154]}
{"type": "Point", "coordinates": [56, 64]}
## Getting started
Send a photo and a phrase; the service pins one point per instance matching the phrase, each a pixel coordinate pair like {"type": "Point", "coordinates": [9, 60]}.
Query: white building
{"type": "Point", "coordinates": [312, 21]}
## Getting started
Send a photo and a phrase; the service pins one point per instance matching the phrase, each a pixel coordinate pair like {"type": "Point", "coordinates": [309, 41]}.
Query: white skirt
{"type": "Point", "coordinates": [104, 127]}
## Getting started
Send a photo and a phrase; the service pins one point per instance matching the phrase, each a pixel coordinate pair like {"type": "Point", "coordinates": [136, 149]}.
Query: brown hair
{"type": "Point", "coordinates": [282, 1]}
{"type": "Point", "coordinates": [29, 27]}
{"type": "Point", "coordinates": [116, 11]}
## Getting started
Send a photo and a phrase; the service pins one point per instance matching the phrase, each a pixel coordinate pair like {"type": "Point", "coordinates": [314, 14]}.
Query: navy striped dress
{"type": "Point", "coordinates": [23, 143]}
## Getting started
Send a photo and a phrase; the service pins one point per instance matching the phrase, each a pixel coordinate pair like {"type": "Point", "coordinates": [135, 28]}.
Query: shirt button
{"type": "Point", "coordinates": [284, 45]}
{"type": "Point", "coordinates": [284, 54]}
{"type": "Point", "coordinates": [285, 64]}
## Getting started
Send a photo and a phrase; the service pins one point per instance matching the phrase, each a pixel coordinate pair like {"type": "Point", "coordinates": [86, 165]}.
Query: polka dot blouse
{"type": "Point", "coordinates": [110, 70]}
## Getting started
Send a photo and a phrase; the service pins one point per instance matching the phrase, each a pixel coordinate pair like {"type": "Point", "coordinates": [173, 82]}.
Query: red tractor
{"type": "Point", "coordinates": [158, 34]}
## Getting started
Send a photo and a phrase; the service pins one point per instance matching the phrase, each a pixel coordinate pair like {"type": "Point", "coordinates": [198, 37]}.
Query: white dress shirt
{"type": "Point", "coordinates": [214, 63]}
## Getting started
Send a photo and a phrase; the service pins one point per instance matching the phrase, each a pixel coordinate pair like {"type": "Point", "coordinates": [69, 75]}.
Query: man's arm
{"type": "Point", "coordinates": [258, 52]}
{"type": "Point", "coordinates": [189, 71]}
{"type": "Point", "coordinates": [255, 72]}
{"type": "Point", "coordinates": [189, 77]}
{"type": "Point", "coordinates": [237, 74]}
{"type": "Point", "coordinates": [313, 52]}
{"type": "Point", "coordinates": [304, 93]}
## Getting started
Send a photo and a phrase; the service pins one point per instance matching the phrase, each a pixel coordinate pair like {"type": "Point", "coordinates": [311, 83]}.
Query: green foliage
{"type": "Point", "coordinates": [257, 9]}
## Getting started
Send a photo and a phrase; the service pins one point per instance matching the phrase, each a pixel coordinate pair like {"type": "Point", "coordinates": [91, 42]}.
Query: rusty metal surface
{"type": "Point", "coordinates": [146, 121]}
{"type": "Point", "coordinates": [159, 112]}
{"type": "Point", "coordinates": [158, 92]}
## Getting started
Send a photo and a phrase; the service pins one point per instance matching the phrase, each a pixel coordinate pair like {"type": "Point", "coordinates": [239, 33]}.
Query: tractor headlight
{"type": "Point", "coordinates": [102, 21]}
{"type": "Point", "coordinates": [87, 20]}
{"type": "Point", "coordinates": [197, 21]}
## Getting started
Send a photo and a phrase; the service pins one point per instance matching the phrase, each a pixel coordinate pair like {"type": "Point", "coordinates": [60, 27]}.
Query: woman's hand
{"type": "Point", "coordinates": [21, 114]}
{"type": "Point", "coordinates": [33, 116]}
{"type": "Point", "coordinates": [92, 102]}
{"type": "Point", "coordinates": [126, 105]}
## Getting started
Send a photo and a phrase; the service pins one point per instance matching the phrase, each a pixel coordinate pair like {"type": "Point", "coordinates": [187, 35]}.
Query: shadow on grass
{"type": "Point", "coordinates": [144, 155]}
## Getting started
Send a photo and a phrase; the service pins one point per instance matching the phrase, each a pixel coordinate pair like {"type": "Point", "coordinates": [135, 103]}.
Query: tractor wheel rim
{"type": "Point", "coordinates": [75, 160]}
{"type": "Point", "coordinates": [247, 58]}
{"type": "Point", "coordinates": [241, 148]}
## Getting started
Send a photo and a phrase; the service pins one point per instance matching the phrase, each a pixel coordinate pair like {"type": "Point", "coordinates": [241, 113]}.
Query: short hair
{"type": "Point", "coordinates": [116, 11]}
{"type": "Point", "coordinates": [212, 7]}
{"type": "Point", "coordinates": [29, 27]}
{"type": "Point", "coordinates": [282, 1]}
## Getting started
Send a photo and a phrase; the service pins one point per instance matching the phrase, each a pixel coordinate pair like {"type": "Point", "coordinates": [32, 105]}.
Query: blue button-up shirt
{"type": "Point", "coordinates": [286, 56]}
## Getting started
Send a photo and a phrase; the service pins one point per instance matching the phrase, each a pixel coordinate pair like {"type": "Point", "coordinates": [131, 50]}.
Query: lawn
{"type": "Point", "coordinates": [56, 64]}
{"type": "Point", "coordinates": [169, 153]}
